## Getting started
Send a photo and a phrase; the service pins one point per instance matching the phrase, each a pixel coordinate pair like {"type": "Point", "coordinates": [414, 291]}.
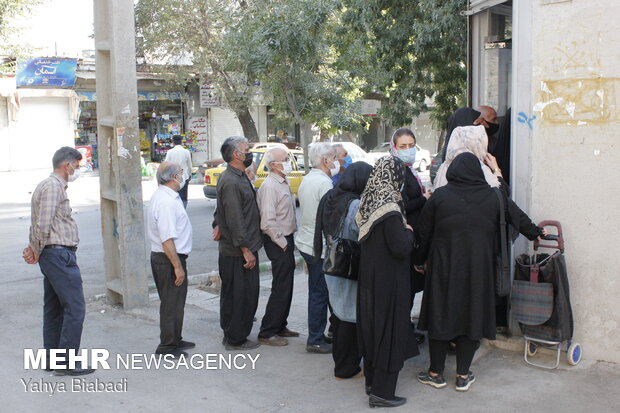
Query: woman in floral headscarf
{"type": "Point", "coordinates": [385, 335]}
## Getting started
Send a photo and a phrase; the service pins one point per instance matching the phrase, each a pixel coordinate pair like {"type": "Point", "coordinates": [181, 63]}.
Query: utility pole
{"type": "Point", "coordinates": [122, 220]}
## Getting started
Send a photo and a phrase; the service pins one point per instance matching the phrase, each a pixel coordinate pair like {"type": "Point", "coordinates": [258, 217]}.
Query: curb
{"type": "Point", "coordinates": [197, 279]}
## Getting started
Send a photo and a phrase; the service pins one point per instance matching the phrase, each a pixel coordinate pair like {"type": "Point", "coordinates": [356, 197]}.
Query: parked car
{"type": "Point", "coordinates": [212, 174]}
{"type": "Point", "coordinates": [356, 153]}
{"type": "Point", "coordinates": [435, 164]}
{"type": "Point", "coordinates": [422, 156]}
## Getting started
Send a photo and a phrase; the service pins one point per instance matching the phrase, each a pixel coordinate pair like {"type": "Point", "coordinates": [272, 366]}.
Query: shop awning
{"type": "Point", "coordinates": [476, 6]}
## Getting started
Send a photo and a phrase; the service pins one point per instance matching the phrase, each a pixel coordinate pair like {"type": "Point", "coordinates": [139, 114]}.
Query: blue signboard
{"type": "Point", "coordinates": [46, 72]}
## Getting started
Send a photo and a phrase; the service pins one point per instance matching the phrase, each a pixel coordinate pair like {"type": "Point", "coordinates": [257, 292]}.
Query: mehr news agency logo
{"type": "Point", "coordinates": [39, 359]}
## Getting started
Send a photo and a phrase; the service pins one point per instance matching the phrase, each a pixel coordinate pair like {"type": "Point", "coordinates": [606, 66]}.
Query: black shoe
{"type": "Point", "coordinates": [185, 345]}
{"type": "Point", "coordinates": [176, 353]}
{"type": "Point", "coordinates": [376, 401]}
{"type": "Point", "coordinates": [463, 384]}
{"type": "Point", "coordinates": [368, 389]}
{"type": "Point", "coordinates": [247, 345]}
{"type": "Point", "coordinates": [419, 338]}
{"type": "Point", "coordinates": [323, 348]}
{"type": "Point", "coordinates": [78, 371]}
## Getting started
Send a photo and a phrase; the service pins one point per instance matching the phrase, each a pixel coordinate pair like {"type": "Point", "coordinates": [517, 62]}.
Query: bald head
{"type": "Point", "coordinates": [167, 172]}
{"type": "Point", "coordinates": [488, 114]}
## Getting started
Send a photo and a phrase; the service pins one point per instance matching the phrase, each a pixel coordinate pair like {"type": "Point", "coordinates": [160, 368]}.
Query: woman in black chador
{"type": "Point", "coordinates": [385, 335]}
{"type": "Point", "coordinates": [458, 239]}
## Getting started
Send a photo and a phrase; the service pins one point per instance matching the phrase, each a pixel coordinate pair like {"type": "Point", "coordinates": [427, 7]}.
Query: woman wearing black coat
{"type": "Point", "coordinates": [458, 239]}
{"type": "Point", "coordinates": [385, 335]}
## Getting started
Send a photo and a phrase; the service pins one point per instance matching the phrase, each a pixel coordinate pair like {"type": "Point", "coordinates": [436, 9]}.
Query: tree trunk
{"type": "Point", "coordinates": [305, 129]}
{"type": "Point", "coordinates": [324, 135]}
{"type": "Point", "coordinates": [248, 125]}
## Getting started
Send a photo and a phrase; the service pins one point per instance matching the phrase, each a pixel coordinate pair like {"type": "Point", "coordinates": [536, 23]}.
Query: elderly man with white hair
{"type": "Point", "coordinates": [170, 233]}
{"type": "Point", "coordinates": [276, 204]}
{"type": "Point", "coordinates": [313, 187]}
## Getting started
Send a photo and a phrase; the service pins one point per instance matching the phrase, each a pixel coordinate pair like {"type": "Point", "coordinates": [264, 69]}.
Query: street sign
{"type": "Point", "coordinates": [208, 98]}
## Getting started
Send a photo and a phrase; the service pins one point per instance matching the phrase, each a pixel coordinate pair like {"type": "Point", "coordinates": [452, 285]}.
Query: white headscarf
{"type": "Point", "coordinates": [467, 139]}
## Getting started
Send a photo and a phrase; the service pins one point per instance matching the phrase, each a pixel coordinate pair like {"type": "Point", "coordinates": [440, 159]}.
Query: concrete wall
{"type": "Point", "coordinates": [575, 155]}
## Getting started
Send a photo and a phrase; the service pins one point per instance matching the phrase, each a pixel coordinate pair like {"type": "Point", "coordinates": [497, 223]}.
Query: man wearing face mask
{"type": "Point", "coordinates": [183, 157]}
{"type": "Point", "coordinates": [276, 204]}
{"type": "Point", "coordinates": [343, 158]}
{"type": "Point", "coordinates": [170, 234]}
{"type": "Point", "coordinates": [237, 224]}
{"type": "Point", "coordinates": [53, 243]}
{"type": "Point", "coordinates": [482, 115]}
{"type": "Point", "coordinates": [318, 181]}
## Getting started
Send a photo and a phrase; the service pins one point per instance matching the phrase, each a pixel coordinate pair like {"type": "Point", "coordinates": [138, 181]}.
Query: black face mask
{"type": "Point", "coordinates": [492, 129]}
{"type": "Point", "coordinates": [248, 159]}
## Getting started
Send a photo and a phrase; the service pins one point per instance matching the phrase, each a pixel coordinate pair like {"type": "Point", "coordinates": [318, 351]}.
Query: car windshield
{"type": "Point", "coordinates": [257, 157]}
{"type": "Point", "coordinates": [381, 148]}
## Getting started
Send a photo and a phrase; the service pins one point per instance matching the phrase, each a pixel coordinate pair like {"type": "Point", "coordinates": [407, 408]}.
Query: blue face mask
{"type": "Point", "coordinates": [347, 161]}
{"type": "Point", "coordinates": [407, 155]}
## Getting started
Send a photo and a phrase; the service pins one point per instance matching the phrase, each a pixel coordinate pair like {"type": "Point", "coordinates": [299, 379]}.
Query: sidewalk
{"type": "Point", "coordinates": [286, 379]}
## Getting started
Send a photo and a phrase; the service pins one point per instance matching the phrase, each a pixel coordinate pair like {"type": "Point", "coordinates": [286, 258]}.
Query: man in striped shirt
{"type": "Point", "coordinates": [53, 242]}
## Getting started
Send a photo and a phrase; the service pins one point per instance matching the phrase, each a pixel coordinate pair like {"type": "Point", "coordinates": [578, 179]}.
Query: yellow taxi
{"type": "Point", "coordinates": [295, 177]}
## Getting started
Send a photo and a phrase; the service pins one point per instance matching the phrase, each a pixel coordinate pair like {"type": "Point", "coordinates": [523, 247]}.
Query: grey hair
{"type": "Point", "coordinates": [65, 154]}
{"type": "Point", "coordinates": [319, 151]}
{"type": "Point", "coordinates": [270, 156]}
{"type": "Point", "coordinates": [230, 145]}
{"type": "Point", "coordinates": [166, 171]}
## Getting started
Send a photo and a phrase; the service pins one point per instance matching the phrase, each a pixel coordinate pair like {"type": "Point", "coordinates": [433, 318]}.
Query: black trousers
{"type": "Point", "coordinates": [238, 298]}
{"type": "Point", "coordinates": [63, 300]}
{"type": "Point", "coordinates": [465, 350]}
{"type": "Point", "coordinates": [183, 192]}
{"type": "Point", "coordinates": [172, 306]}
{"type": "Point", "coordinates": [382, 382]}
{"type": "Point", "coordinates": [279, 304]}
{"type": "Point", "coordinates": [346, 354]}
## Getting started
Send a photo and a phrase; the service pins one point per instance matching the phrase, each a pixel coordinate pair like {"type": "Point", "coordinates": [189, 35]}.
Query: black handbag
{"type": "Point", "coordinates": [502, 271]}
{"type": "Point", "coordinates": [341, 258]}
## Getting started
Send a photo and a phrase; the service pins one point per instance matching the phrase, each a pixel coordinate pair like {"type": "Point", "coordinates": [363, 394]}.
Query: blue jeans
{"type": "Point", "coordinates": [63, 300]}
{"type": "Point", "coordinates": [318, 298]}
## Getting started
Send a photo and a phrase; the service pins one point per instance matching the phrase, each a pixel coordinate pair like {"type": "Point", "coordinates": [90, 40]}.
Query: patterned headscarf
{"type": "Point", "coordinates": [382, 196]}
{"type": "Point", "coordinates": [471, 139]}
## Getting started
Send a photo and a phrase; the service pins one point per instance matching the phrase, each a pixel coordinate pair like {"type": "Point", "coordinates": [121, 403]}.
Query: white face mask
{"type": "Point", "coordinates": [287, 167]}
{"type": "Point", "coordinates": [181, 184]}
{"type": "Point", "coordinates": [75, 175]}
{"type": "Point", "coordinates": [334, 171]}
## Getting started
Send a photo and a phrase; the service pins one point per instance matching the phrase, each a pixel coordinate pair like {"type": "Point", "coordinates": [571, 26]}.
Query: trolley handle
{"type": "Point", "coordinates": [559, 238]}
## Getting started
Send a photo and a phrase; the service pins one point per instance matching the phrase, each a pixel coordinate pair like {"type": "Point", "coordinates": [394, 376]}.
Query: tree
{"type": "Point", "coordinates": [9, 10]}
{"type": "Point", "coordinates": [410, 52]}
{"type": "Point", "coordinates": [289, 48]}
{"type": "Point", "coordinates": [187, 38]}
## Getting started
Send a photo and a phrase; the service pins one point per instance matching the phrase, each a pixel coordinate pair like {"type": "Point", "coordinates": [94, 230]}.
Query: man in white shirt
{"type": "Point", "coordinates": [170, 234]}
{"type": "Point", "coordinates": [312, 188]}
{"type": "Point", "coordinates": [183, 157]}
{"type": "Point", "coordinates": [276, 204]}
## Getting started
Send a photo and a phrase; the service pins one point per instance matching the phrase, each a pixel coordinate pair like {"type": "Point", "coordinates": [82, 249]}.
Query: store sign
{"type": "Point", "coordinates": [46, 72]}
{"type": "Point", "coordinates": [371, 107]}
{"type": "Point", "coordinates": [142, 96]}
{"type": "Point", "coordinates": [208, 98]}
{"type": "Point", "coordinates": [198, 133]}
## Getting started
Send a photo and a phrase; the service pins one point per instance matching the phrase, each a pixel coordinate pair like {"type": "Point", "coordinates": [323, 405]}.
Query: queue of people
{"type": "Point", "coordinates": [371, 241]}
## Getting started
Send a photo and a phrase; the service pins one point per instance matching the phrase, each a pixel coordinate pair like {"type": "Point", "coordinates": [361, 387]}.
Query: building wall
{"type": "Point", "coordinates": [574, 155]}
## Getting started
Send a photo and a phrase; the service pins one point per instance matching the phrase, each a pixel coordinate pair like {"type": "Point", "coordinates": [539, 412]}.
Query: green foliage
{"type": "Point", "coordinates": [409, 51]}
{"type": "Point", "coordinates": [9, 10]}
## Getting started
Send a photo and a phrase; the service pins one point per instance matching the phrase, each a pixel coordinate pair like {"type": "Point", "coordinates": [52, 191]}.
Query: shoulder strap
{"type": "Point", "coordinates": [502, 229]}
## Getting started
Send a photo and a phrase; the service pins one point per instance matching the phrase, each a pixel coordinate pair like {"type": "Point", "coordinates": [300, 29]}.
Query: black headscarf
{"type": "Point", "coordinates": [461, 117]}
{"type": "Point", "coordinates": [335, 203]}
{"type": "Point", "coordinates": [465, 176]}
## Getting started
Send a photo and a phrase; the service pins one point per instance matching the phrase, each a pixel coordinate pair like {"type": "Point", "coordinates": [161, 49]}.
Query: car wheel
{"type": "Point", "coordinates": [422, 167]}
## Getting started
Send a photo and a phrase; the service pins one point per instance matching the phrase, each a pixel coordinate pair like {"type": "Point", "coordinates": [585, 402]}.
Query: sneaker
{"type": "Point", "coordinates": [273, 341]}
{"type": "Point", "coordinates": [437, 382]}
{"type": "Point", "coordinates": [462, 384]}
{"type": "Point", "coordinates": [247, 345]}
{"type": "Point", "coordinates": [322, 348]}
